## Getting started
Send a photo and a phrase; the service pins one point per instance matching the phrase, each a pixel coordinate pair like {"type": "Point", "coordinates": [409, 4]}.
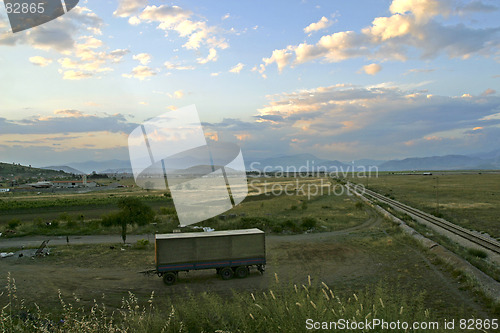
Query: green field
{"type": "Point", "coordinates": [471, 200]}
{"type": "Point", "coordinates": [77, 214]}
{"type": "Point", "coordinates": [371, 267]}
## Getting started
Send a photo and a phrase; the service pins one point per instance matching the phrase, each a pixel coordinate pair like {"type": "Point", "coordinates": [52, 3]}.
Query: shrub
{"type": "Point", "coordinates": [478, 253]}
{"type": "Point", "coordinates": [358, 205]}
{"type": "Point", "coordinates": [293, 207]}
{"type": "Point", "coordinates": [14, 223]}
{"type": "Point", "coordinates": [308, 223]}
{"type": "Point", "coordinates": [167, 211]}
{"type": "Point", "coordinates": [437, 214]}
{"type": "Point", "coordinates": [141, 244]}
{"type": "Point", "coordinates": [304, 205]}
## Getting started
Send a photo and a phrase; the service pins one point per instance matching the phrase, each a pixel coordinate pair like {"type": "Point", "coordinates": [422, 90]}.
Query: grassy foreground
{"type": "Point", "coordinates": [282, 308]}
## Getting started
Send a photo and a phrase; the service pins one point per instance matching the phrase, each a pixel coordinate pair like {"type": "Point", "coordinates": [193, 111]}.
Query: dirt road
{"type": "Point", "coordinates": [347, 260]}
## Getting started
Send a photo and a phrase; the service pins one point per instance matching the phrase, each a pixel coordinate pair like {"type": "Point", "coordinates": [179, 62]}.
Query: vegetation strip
{"type": "Point", "coordinates": [487, 285]}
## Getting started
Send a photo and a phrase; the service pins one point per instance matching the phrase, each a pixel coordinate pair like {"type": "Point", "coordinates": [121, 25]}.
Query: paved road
{"type": "Point", "coordinates": [35, 241]}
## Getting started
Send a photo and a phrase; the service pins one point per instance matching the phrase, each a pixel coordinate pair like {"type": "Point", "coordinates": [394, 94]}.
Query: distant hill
{"type": "Point", "coordinates": [448, 162]}
{"type": "Point", "coordinates": [64, 168]}
{"type": "Point", "coordinates": [109, 166]}
{"type": "Point", "coordinates": [9, 170]}
{"type": "Point", "coordinates": [299, 162]}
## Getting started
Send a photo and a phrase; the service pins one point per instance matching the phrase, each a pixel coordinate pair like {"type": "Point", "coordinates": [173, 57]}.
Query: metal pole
{"type": "Point", "coordinates": [437, 195]}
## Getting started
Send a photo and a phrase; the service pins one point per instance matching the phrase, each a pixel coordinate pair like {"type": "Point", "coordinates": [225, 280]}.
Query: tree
{"type": "Point", "coordinates": [133, 211]}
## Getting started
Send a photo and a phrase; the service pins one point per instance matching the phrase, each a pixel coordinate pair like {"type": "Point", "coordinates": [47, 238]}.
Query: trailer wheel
{"type": "Point", "coordinates": [241, 272]}
{"type": "Point", "coordinates": [169, 278]}
{"type": "Point", "coordinates": [226, 273]}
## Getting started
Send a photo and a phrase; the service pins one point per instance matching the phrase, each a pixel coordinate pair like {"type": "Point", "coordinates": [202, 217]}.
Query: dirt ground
{"type": "Point", "coordinates": [374, 252]}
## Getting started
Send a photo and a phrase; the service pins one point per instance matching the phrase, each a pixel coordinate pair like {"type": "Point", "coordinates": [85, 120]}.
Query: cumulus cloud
{"type": "Point", "coordinates": [177, 94]}
{"type": "Point", "coordinates": [178, 66]}
{"type": "Point", "coordinates": [143, 58]}
{"type": "Point", "coordinates": [371, 69]}
{"type": "Point", "coordinates": [87, 59]}
{"type": "Point", "coordinates": [212, 56]}
{"type": "Point", "coordinates": [67, 121]}
{"type": "Point", "coordinates": [128, 8]}
{"type": "Point", "coordinates": [75, 37]}
{"type": "Point", "coordinates": [59, 36]}
{"type": "Point", "coordinates": [348, 121]}
{"type": "Point", "coordinates": [182, 21]}
{"type": "Point", "coordinates": [489, 91]}
{"type": "Point", "coordinates": [141, 73]}
{"type": "Point", "coordinates": [76, 75]}
{"type": "Point", "coordinates": [237, 68]}
{"type": "Point", "coordinates": [323, 23]}
{"type": "Point", "coordinates": [40, 61]}
{"type": "Point", "coordinates": [413, 24]}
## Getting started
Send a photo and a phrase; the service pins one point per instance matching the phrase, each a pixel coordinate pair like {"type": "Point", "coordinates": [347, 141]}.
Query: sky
{"type": "Point", "coordinates": [342, 80]}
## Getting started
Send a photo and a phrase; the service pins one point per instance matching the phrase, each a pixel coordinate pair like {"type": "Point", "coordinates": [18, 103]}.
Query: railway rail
{"type": "Point", "coordinates": [471, 236]}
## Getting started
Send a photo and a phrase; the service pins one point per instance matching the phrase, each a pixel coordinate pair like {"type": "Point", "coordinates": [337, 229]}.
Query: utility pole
{"type": "Point", "coordinates": [437, 195]}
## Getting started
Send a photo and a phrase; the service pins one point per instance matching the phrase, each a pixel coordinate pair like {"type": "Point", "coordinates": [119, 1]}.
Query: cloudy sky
{"type": "Point", "coordinates": [343, 80]}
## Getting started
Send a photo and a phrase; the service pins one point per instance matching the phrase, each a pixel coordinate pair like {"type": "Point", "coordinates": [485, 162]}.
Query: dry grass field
{"type": "Point", "coordinates": [471, 200]}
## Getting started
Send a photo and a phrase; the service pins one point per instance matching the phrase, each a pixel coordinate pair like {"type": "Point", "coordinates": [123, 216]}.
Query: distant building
{"type": "Point", "coordinates": [72, 183]}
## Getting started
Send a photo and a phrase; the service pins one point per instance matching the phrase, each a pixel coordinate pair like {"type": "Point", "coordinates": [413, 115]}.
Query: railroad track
{"type": "Point", "coordinates": [483, 241]}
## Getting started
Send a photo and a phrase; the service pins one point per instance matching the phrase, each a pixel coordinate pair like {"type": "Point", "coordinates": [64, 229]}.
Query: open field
{"type": "Point", "coordinates": [78, 214]}
{"type": "Point", "coordinates": [376, 256]}
{"type": "Point", "coordinates": [470, 200]}
{"type": "Point", "coordinates": [333, 238]}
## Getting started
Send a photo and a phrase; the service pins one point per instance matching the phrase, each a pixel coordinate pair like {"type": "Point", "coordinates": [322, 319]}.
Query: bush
{"type": "Point", "coordinates": [358, 205]}
{"type": "Point", "coordinates": [478, 253]}
{"type": "Point", "coordinates": [167, 211]}
{"type": "Point", "coordinates": [14, 223]}
{"type": "Point", "coordinates": [293, 207]}
{"type": "Point", "coordinates": [304, 205]}
{"type": "Point", "coordinates": [141, 244]}
{"type": "Point", "coordinates": [308, 223]}
{"type": "Point", "coordinates": [437, 214]}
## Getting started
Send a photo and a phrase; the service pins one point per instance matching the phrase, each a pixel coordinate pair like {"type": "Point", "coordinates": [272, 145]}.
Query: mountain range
{"type": "Point", "coordinates": [308, 162]}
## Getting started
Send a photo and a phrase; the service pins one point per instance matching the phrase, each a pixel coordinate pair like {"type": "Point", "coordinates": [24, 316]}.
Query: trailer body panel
{"type": "Point", "coordinates": [203, 250]}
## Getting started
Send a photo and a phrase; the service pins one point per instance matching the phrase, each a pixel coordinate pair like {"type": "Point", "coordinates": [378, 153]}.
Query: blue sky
{"type": "Point", "coordinates": [343, 80]}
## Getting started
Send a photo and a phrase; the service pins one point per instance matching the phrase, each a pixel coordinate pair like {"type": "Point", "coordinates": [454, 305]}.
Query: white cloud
{"type": "Point", "coordinates": [323, 23]}
{"type": "Point", "coordinates": [40, 61]}
{"type": "Point", "coordinates": [140, 72]}
{"type": "Point", "coordinates": [177, 94]}
{"type": "Point", "coordinates": [86, 60]}
{"type": "Point", "coordinates": [175, 18]}
{"type": "Point", "coordinates": [280, 57]}
{"type": "Point", "coordinates": [143, 58]}
{"type": "Point", "coordinates": [129, 7]}
{"type": "Point", "coordinates": [57, 36]}
{"type": "Point", "coordinates": [237, 68]}
{"type": "Point", "coordinates": [74, 37]}
{"type": "Point", "coordinates": [75, 75]}
{"type": "Point", "coordinates": [414, 24]}
{"type": "Point", "coordinates": [212, 56]}
{"type": "Point", "coordinates": [225, 17]}
{"type": "Point", "coordinates": [371, 69]}
{"type": "Point", "coordinates": [362, 121]}
{"type": "Point", "coordinates": [178, 66]}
